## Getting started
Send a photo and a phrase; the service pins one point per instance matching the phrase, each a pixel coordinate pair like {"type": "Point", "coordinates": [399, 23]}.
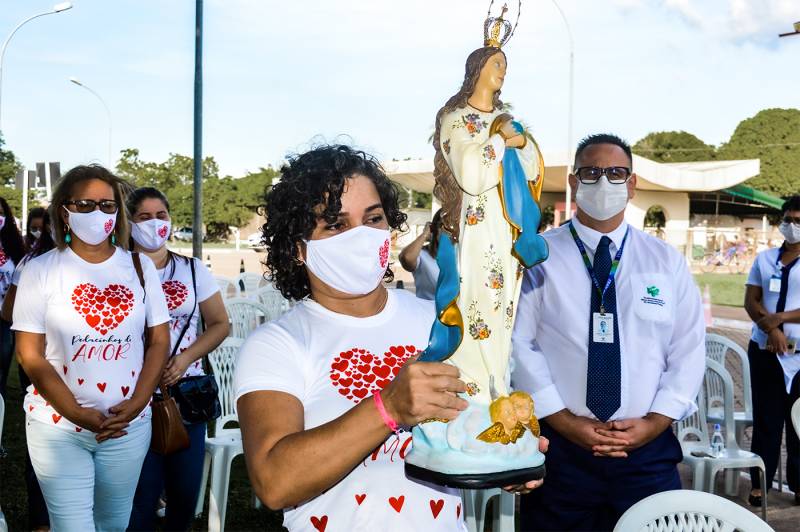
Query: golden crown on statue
{"type": "Point", "coordinates": [497, 31]}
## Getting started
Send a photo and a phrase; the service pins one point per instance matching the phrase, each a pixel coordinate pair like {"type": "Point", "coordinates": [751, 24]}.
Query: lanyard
{"type": "Point", "coordinates": [611, 273]}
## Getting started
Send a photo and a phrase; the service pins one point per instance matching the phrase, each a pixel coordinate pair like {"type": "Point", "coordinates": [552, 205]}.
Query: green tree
{"type": "Point", "coordinates": [773, 136]}
{"type": "Point", "coordinates": [673, 147]}
{"type": "Point", "coordinates": [8, 166]}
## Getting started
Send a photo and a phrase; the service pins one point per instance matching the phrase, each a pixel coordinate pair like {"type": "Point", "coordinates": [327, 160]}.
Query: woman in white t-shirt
{"type": "Point", "coordinates": [419, 258]}
{"type": "Point", "coordinates": [81, 314]}
{"type": "Point", "coordinates": [191, 293]}
{"type": "Point", "coordinates": [12, 249]}
{"type": "Point", "coordinates": [772, 300]}
{"type": "Point", "coordinates": [324, 393]}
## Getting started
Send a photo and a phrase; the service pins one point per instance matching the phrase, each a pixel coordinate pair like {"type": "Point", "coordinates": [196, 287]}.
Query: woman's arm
{"type": "Point", "coordinates": [753, 297]}
{"type": "Point", "coordinates": [30, 355]}
{"type": "Point", "coordinates": [410, 254]}
{"type": "Point", "coordinates": [217, 329]}
{"type": "Point", "coordinates": [288, 465]}
{"type": "Point", "coordinates": [7, 311]}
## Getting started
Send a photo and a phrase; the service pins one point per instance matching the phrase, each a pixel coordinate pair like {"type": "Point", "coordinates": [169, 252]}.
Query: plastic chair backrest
{"type": "Point", "coordinates": [251, 281]}
{"type": "Point", "coordinates": [227, 287]}
{"type": "Point", "coordinates": [223, 363]}
{"type": "Point", "coordinates": [796, 416]}
{"type": "Point", "coordinates": [718, 348]}
{"type": "Point", "coordinates": [695, 425]}
{"type": "Point", "coordinates": [716, 373]}
{"type": "Point", "coordinates": [688, 511]}
{"type": "Point", "coordinates": [245, 315]}
{"type": "Point", "coordinates": [274, 302]}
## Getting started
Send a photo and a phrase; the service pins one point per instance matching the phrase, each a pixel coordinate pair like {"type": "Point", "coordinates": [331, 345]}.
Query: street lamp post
{"type": "Point", "coordinates": [77, 82]}
{"type": "Point", "coordinates": [58, 8]}
{"type": "Point", "coordinates": [568, 190]}
{"type": "Point", "coordinates": [795, 32]}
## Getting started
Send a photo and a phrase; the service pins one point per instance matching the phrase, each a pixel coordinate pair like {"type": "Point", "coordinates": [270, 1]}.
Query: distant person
{"type": "Point", "coordinates": [419, 258]}
{"type": "Point", "coordinates": [92, 333]}
{"type": "Point", "coordinates": [772, 301]}
{"type": "Point", "coordinates": [192, 295]}
{"type": "Point", "coordinates": [34, 226]}
{"type": "Point", "coordinates": [12, 249]}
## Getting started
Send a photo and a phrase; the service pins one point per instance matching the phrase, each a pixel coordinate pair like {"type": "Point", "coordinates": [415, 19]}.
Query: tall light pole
{"type": "Point", "coordinates": [568, 190]}
{"type": "Point", "coordinates": [77, 82]}
{"type": "Point", "coordinates": [58, 8]}
{"type": "Point", "coordinates": [795, 32]}
{"type": "Point", "coordinates": [197, 220]}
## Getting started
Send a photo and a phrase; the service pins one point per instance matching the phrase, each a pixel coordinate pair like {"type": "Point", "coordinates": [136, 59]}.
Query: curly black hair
{"type": "Point", "coordinates": [309, 181]}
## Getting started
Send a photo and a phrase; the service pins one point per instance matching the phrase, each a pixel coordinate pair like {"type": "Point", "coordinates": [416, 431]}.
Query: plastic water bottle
{"type": "Point", "coordinates": [717, 443]}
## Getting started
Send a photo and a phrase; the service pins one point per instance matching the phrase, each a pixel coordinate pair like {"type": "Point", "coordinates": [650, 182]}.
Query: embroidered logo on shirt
{"type": "Point", "coordinates": [652, 296]}
{"type": "Point", "coordinates": [653, 291]}
{"type": "Point", "coordinates": [103, 310]}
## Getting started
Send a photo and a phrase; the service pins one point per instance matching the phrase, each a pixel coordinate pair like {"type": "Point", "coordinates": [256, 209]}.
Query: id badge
{"type": "Point", "coordinates": [603, 328]}
{"type": "Point", "coordinates": [775, 284]}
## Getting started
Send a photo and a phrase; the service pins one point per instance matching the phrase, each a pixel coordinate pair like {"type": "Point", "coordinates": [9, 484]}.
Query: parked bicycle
{"type": "Point", "coordinates": [736, 258]}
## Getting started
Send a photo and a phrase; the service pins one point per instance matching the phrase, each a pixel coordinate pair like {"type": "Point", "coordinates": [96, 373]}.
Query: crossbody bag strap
{"type": "Point", "coordinates": [191, 314]}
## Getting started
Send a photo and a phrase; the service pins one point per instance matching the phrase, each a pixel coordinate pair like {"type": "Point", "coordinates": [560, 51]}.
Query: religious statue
{"type": "Point", "coordinates": [489, 174]}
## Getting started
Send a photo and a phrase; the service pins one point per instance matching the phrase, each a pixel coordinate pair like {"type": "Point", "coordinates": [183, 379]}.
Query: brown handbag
{"type": "Point", "coordinates": [169, 433]}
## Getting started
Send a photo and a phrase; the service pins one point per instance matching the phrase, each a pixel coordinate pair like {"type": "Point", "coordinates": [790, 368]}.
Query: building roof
{"type": "Point", "coordinates": [703, 176]}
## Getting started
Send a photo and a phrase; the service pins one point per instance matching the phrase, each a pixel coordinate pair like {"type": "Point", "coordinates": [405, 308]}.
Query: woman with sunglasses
{"type": "Point", "coordinates": [92, 335]}
{"type": "Point", "coordinates": [12, 249]}
{"type": "Point", "coordinates": [192, 294]}
{"type": "Point", "coordinates": [772, 301]}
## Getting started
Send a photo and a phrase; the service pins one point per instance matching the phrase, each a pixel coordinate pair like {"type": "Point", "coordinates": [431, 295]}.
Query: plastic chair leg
{"type": "Point", "coordinates": [762, 472]}
{"type": "Point", "coordinates": [218, 496]}
{"type": "Point", "coordinates": [732, 482]}
{"type": "Point", "coordinates": [699, 476]}
{"type": "Point", "coordinates": [201, 497]}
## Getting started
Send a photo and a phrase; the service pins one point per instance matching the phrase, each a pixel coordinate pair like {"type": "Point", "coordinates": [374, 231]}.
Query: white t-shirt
{"type": "Point", "coordinates": [426, 275]}
{"type": "Point", "coordinates": [178, 289]}
{"type": "Point", "coordinates": [330, 362]}
{"type": "Point", "coordinates": [93, 318]}
{"type": "Point", "coordinates": [6, 274]}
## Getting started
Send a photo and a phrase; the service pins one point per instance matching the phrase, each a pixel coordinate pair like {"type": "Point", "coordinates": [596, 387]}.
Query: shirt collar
{"type": "Point", "coordinates": [591, 238]}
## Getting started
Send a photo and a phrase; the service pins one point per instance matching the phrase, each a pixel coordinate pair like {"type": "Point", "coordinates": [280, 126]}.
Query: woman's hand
{"type": "Point", "coordinates": [424, 390]}
{"type": "Point", "coordinates": [776, 341]}
{"type": "Point", "coordinates": [89, 419]}
{"type": "Point", "coordinates": [175, 370]}
{"type": "Point", "coordinates": [121, 416]}
{"type": "Point", "coordinates": [522, 489]}
{"type": "Point", "coordinates": [770, 322]}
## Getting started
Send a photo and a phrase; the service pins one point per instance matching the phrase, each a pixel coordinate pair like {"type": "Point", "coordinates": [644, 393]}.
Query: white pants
{"type": "Point", "coordinates": [87, 485]}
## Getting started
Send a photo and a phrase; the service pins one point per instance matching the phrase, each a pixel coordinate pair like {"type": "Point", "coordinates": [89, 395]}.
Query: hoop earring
{"type": "Point", "coordinates": [67, 237]}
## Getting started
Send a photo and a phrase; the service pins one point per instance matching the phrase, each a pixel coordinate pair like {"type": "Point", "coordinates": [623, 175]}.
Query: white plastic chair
{"type": "Point", "coordinates": [718, 348]}
{"type": "Point", "coordinates": [3, 524]}
{"type": "Point", "coordinates": [226, 444]}
{"type": "Point", "coordinates": [688, 511]}
{"type": "Point", "coordinates": [503, 509]}
{"type": "Point", "coordinates": [274, 301]}
{"type": "Point", "coordinates": [705, 469]}
{"type": "Point", "coordinates": [796, 416]}
{"type": "Point", "coordinates": [245, 315]}
{"type": "Point", "coordinates": [227, 287]}
{"type": "Point", "coordinates": [251, 282]}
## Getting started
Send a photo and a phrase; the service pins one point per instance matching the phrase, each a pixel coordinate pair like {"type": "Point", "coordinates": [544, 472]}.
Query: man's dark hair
{"type": "Point", "coordinates": [791, 204]}
{"type": "Point", "coordinates": [603, 138]}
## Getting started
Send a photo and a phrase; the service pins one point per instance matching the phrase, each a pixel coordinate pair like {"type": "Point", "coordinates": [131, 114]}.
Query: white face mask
{"type": "Point", "coordinates": [151, 234]}
{"type": "Point", "coordinates": [791, 232]}
{"type": "Point", "coordinates": [352, 262]}
{"type": "Point", "coordinates": [91, 227]}
{"type": "Point", "coordinates": [602, 200]}
{"type": "Point", "coordinates": [36, 234]}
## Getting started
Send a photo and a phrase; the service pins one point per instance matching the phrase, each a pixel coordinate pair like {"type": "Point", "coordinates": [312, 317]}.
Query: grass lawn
{"type": "Point", "coordinates": [13, 497]}
{"type": "Point", "coordinates": [726, 289]}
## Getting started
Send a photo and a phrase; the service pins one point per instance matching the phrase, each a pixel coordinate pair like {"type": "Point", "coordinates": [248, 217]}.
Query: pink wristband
{"type": "Point", "coordinates": [387, 419]}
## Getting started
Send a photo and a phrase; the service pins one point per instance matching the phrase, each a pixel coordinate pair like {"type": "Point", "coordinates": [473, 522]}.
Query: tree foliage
{"type": "Point", "coordinates": [8, 166]}
{"type": "Point", "coordinates": [674, 147]}
{"type": "Point", "coordinates": [227, 201]}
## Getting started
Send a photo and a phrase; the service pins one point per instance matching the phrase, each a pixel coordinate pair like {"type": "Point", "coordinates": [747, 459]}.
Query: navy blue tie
{"type": "Point", "coordinates": [603, 373]}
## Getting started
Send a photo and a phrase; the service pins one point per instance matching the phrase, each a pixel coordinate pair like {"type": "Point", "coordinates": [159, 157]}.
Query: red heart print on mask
{"type": "Point", "coordinates": [109, 225]}
{"type": "Point", "coordinates": [383, 254]}
{"type": "Point", "coordinates": [103, 310]}
{"type": "Point", "coordinates": [355, 378]}
{"type": "Point", "coordinates": [176, 293]}
{"type": "Point", "coordinates": [3, 258]}
{"type": "Point", "coordinates": [162, 232]}
{"type": "Point", "coordinates": [320, 523]}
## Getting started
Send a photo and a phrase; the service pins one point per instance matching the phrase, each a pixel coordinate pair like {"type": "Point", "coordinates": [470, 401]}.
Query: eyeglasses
{"type": "Point", "coordinates": [88, 205]}
{"type": "Point", "coordinates": [791, 220]}
{"type": "Point", "coordinates": [616, 175]}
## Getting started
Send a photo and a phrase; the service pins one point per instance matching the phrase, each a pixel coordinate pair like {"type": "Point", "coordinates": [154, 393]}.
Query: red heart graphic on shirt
{"type": "Point", "coordinates": [397, 502]}
{"type": "Point", "coordinates": [357, 373]}
{"type": "Point", "coordinates": [101, 386]}
{"type": "Point", "coordinates": [125, 390]}
{"type": "Point", "coordinates": [56, 418]}
{"type": "Point", "coordinates": [360, 498]}
{"type": "Point", "coordinates": [104, 309]}
{"type": "Point", "coordinates": [30, 408]}
{"type": "Point", "coordinates": [436, 507]}
{"type": "Point", "coordinates": [65, 370]}
{"type": "Point", "coordinates": [78, 429]}
{"type": "Point", "coordinates": [80, 382]}
{"type": "Point", "coordinates": [319, 522]}
{"type": "Point", "coordinates": [108, 226]}
{"type": "Point", "coordinates": [176, 293]}
{"type": "Point", "coordinates": [162, 232]}
{"type": "Point", "coordinates": [458, 511]}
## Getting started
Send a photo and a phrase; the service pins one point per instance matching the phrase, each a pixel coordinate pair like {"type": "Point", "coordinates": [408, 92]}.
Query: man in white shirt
{"type": "Point", "coordinates": [610, 340]}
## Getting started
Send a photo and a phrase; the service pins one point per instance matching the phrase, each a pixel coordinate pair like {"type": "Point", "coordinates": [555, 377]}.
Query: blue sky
{"type": "Point", "coordinates": [281, 75]}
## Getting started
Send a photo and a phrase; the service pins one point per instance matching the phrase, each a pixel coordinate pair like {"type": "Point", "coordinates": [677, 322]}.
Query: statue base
{"type": "Point", "coordinates": [476, 481]}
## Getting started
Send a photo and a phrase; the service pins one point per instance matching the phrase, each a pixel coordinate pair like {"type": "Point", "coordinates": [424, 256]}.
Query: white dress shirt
{"type": "Point", "coordinates": [659, 316]}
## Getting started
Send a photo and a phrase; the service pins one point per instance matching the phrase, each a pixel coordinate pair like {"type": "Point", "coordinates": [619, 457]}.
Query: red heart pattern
{"type": "Point", "coordinates": [397, 502]}
{"type": "Point", "coordinates": [103, 310]}
{"type": "Point", "coordinates": [320, 523]}
{"type": "Point", "coordinates": [56, 418]}
{"type": "Point", "coordinates": [3, 258]}
{"type": "Point", "coordinates": [102, 386]}
{"type": "Point", "coordinates": [109, 225]}
{"type": "Point", "coordinates": [458, 511]}
{"type": "Point", "coordinates": [383, 254]}
{"type": "Point", "coordinates": [176, 293]}
{"type": "Point", "coordinates": [80, 382]}
{"type": "Point", "coordinates": [125, 390]}
{"type": "Point", "coordinates": [436, 507]}
{"type": "Point", "coordinates": [358, 373]}
{"type": "Point", "coordinates": [162, 232]}
{"type": "Point", "coordinates": [360, 498]}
